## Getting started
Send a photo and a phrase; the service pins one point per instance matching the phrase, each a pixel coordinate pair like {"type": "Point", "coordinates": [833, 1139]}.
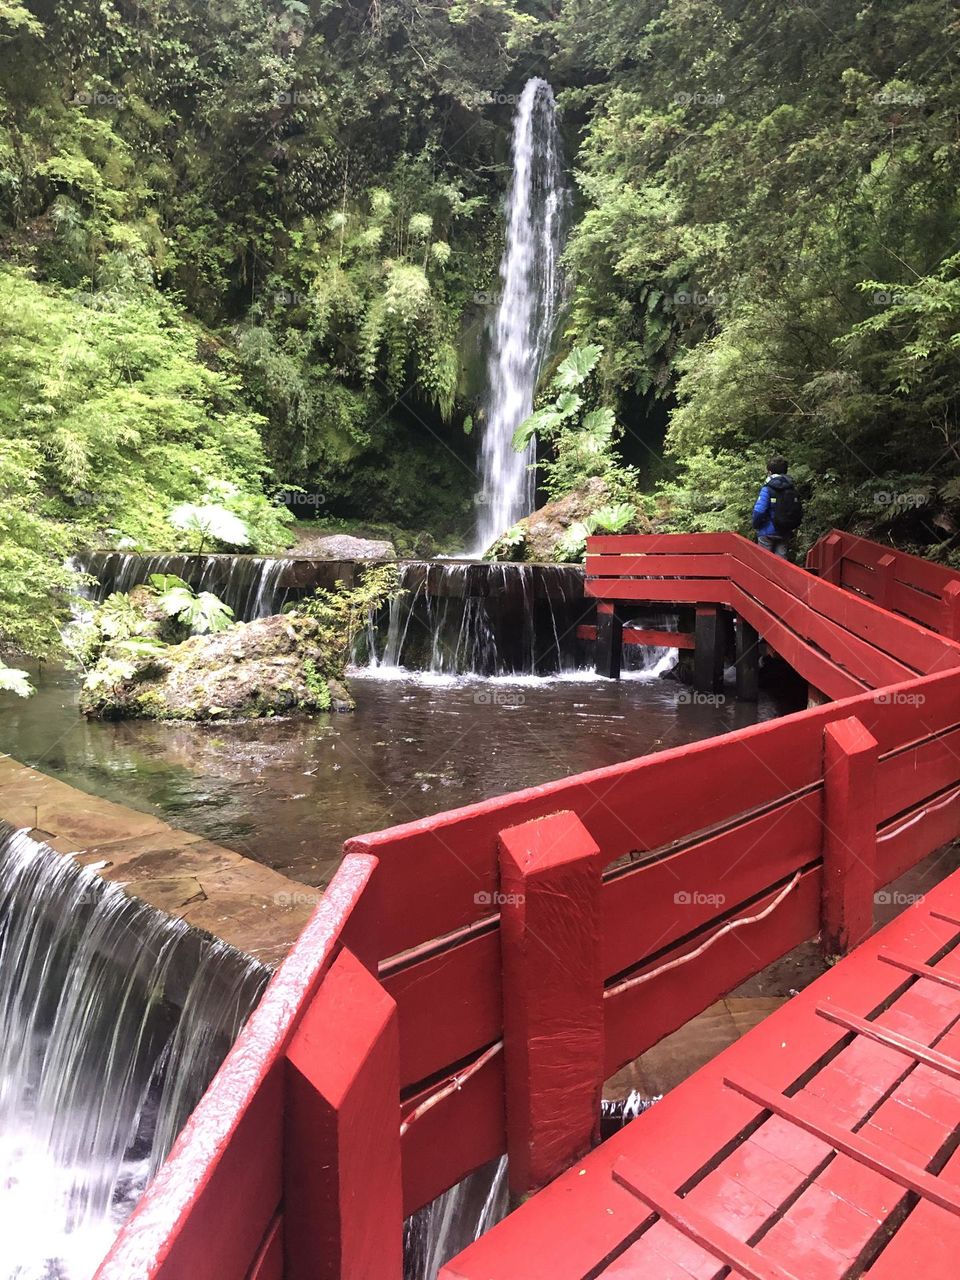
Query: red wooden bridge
{"type": "Point", "coordinates": [469, 981]}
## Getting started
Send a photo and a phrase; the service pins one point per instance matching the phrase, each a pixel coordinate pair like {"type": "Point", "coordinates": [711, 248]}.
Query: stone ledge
{"type": "Point", "coordinates": [252, 907]}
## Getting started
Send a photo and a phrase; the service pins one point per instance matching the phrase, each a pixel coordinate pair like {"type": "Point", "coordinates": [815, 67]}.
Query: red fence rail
{"type": "Point", "coordinates": [463, 969]}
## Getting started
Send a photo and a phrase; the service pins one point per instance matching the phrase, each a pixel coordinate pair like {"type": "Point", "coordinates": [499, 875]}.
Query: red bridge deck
{"type": "Point", "coordinates": [820, 1146]}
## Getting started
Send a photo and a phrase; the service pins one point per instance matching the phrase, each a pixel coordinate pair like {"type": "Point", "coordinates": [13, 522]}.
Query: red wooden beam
{"type": "Point", "coordinates": [807, 1114]}
{"type": "Point", "coordinates": [892, 1039]}
{"type": "Point", "coordinates": [919, 970]}
{"type": "Point", "coordinates": [633, 635]}
{"type": "Point", "coordinates": [693, 1222]}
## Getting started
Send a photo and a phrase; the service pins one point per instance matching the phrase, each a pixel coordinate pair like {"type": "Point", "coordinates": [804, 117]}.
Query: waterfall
{"type": "Point", "coordinates": [525, 319]}
{"type": "Point", "coordinates": [250, 585]}
{"type": "Point", "coordinates": [113, 1020]}
{"type": "Point", "coordinates": [461, 618]}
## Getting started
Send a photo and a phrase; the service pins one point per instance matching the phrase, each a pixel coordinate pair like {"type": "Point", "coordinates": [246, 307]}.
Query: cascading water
{"type": "Point", "coordinates": [250, 585]}
{"type": "Point", "coordinates": [527, 312]}
{"type": "Point", "coordinates": [480, 619]}
{"type": "Point", "coordinates": [113, 1020]}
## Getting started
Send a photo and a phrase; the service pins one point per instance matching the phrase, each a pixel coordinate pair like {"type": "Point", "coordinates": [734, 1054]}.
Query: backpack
{"type": "Point", "coordinates": [786, 510]}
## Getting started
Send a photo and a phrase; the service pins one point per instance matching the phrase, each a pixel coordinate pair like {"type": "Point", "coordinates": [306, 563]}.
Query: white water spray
{"type": "Point", "coordinates": [530, 287]}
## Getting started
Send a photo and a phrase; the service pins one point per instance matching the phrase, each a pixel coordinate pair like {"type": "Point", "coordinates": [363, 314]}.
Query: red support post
{"type": "Point", "coordinates": [609, 648]}
{"type": "Point", "coordinates": [950, 627]}
{"type": "Point", "coordinates": [885, 570]}
{"type": "Point", "coordinates": [550, 932]}
{"type": "Point", "coordinates": [849, 834]}
{"type": "Point", "coordinates": [828, 557]}
{"type": "Point", "coordinates": [343, 1206]}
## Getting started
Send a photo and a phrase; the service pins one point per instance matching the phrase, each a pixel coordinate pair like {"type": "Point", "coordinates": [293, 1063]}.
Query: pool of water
{"type": "Point", "coordinates": [289, 792]}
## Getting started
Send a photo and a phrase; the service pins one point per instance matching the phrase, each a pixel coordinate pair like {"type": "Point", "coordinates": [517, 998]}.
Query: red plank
{"type": "Point", "coordinates": [683, 1215]}
{"type": "Point", "coordinates": [849, 834]}
{"type": "Point", "coordinates": [463, 981]}
{"type": "Point", "coordinates": [903, 1044]}
{"type": "Point", "coordinates": [268, 1264]}
{"type": "Point", "coordinates": [648, 907]}
{"type": "Point", "coordinates": [690, 565]}
{"type": "Point", "coordinates": [634, 635]}
{"type": "Point", "coordinates": [867, 1152]}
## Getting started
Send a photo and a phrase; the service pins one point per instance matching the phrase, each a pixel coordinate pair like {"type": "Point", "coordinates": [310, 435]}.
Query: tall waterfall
{"type": "Point", "coordinates": [113, 1020]}
{"type": "Point", "coordinates": [530, 287]}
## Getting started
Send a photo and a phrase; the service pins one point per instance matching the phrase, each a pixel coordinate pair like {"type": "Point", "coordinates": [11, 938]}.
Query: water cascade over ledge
{"type": "Point", "coordinates": [527, 310]}
{"type": "Point", "coordinates": [113, 1020]}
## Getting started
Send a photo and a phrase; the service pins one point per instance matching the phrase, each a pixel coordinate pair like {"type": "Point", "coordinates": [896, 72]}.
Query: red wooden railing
{"type": "Point", "coordinates": [470, 979]}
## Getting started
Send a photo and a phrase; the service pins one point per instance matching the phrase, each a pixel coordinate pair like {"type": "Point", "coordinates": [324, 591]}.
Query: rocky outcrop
{"type": "Point", "coordinates": [270, 667]}
{"type": "Point", "coordinates": [543, 529]}
{"type": "Point", "coordinates": [343, 546]}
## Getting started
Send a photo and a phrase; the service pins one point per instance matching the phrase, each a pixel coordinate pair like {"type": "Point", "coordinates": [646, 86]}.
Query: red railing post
{"type": "Point", "coordinates": [343, 1206]}
{"type": "Point", "coordinates": [849, 834]}
{"type": "Point", "coordinates": [885, 571]}
{"type": "Point", "coordinates": [950, 627]}
{"type": "Point", "coordinates": [552, 995]}
{"type": "Point", "coordinates": [708, 649]}
{"type": "Point", "coordinates": [825, 558]}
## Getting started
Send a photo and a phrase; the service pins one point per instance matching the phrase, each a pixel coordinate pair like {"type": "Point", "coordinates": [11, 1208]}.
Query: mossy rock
{"type": "Point", "coordinates": [270, 667]}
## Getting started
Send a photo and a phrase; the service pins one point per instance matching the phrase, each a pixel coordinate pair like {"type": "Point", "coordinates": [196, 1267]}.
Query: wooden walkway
{"type": "Point", "coordinates": [820, 1146]}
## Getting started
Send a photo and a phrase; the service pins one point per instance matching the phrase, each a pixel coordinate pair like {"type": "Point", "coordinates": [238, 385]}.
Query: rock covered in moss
{"type": "Point", "coordinates": [538, 537]}
{"type": "Point", "coordinates": [270, 667]}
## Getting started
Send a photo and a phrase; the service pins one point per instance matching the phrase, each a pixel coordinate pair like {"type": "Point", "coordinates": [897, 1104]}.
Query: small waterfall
{"type": "Point", "coordinates": [250, 585]}
{"type": "Point", "coordinates": [113, 1020]}
{"type": "Point", "coordinates": [527, 312]}
{"type": "Point", "coordinates": [493, 619]}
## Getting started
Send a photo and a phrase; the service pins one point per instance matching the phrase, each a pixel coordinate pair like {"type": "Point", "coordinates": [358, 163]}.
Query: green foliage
{"type": "Point", "coordinates": [13, 680]}
{"type": "Point", "coordinates": [209, 523]}
{"type": "Point", "coordinates": [200, 613]}
{"type": "Point", "coordinates": [583, 440]}
{"type": "Point", "coordinates": [344, 611]}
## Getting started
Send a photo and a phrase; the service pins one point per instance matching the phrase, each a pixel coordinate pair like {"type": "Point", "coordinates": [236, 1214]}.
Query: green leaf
{"type": "Point", "coordinates": [572, 371]}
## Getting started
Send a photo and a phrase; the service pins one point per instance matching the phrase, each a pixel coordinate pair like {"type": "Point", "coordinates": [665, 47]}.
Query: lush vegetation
{"type": "Point", "coordinates": [248, 250]}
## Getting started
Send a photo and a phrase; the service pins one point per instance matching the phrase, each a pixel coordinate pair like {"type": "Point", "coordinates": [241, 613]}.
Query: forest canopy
{"type": "Point", "coordinates": [250, 248]}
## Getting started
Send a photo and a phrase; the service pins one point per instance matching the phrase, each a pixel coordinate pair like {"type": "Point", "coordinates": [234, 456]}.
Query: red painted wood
{"type": "Point", "coordinates": [910, 776]}
{"type": "Point", "coordinates": [459, 1134]}
{"type": "Point", "coordinates": [649, 907]}
{"type": "Point", "coordinates": [205, 1213]}
{"type": "Point", "coordinates": [268, 1264]}
{"type": "Point", "coordinates": [637, 1018]}
{"type": "Point", "coordinates": [552, 996]}
{"type": "Point", "coordinates": [343, 1207]}
{"type": "Point", "coordinates": [634, 635]}
{"type": "Point", "coordinates": [463, 982]}
{"type": "Point", "coordinates": [863, 1150]}
{"type": "Point", "coordinates": [849, 834]}
{"type": "Point", "coordinates": [683, 1215]}
{"type": "Point", "coordinates": [903, 1044]}
{"type": "Point", "coordinates": [690, 565]}
{"type": "Point", "coordinates": [902, 843]}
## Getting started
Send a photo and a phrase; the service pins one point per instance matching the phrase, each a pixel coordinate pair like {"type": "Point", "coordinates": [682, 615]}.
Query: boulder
{"type": "Point", "coordinates": [544, 528]}
{"type": "Point", "coordinates": [270, 667]}
{"type": "Point", "coordinates": [343, 546]}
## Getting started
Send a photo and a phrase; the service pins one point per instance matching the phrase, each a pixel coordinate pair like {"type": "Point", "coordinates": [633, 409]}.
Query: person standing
{"type": "Point", "coordinates": [778, 511]}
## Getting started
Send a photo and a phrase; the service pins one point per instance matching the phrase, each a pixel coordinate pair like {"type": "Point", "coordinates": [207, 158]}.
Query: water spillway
{"type": "Point", "coordinates": [113, 1020]}
{"type": "Point", "coordinates": [527, 310]}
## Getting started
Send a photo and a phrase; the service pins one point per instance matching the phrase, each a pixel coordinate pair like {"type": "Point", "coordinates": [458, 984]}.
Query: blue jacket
{"type": "Point", "coordinates": [762, 509]}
